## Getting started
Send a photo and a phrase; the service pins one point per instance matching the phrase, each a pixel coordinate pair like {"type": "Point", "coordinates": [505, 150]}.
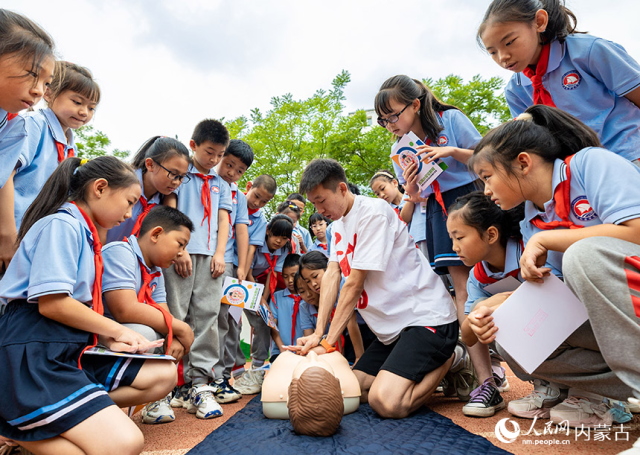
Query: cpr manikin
{"type": "Point", "coordinates": [313, 391]}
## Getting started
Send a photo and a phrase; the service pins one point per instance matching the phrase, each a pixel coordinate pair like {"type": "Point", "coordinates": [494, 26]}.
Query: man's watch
{"type": "Point", "coordinates": [325, 344]}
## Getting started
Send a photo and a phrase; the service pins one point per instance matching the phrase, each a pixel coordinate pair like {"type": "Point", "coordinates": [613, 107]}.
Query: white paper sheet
{"type": "Point", "coordinates": [507, 284]}
{"type": "Point", "coordinates": [536, 319]}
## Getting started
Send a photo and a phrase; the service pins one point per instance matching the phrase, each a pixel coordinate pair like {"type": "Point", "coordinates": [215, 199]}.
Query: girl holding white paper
{"type": "Point", "coordinates": [407, 105]}
{"type": "Point", "coordinates": [582, 217]}
{"type": "Point", "coordinates": [487, 239]}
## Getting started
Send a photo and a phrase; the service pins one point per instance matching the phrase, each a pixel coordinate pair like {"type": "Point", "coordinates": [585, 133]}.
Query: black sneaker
{"type": "Point", "coordinates": [485, 401]}
{"type": "Point", "coordinates": [223, 391]}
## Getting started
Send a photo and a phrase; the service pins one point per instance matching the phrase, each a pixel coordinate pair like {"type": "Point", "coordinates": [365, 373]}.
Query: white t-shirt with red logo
{"type": "Point", "coordinates": [401, 290]}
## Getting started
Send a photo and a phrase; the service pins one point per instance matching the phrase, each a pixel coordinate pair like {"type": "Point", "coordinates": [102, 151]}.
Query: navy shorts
{"type": "Point", "coordinates": [417, 352]}
{"type": "Point", "coordinates": [439, 244]}
{"type": "Point", "coordinates": [44, 393]}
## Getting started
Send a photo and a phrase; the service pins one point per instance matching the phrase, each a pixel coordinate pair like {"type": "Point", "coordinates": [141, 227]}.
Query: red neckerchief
{"type": "Point", "coordinates": [435, 186]}
{"type": "Point", "coordinates": [294, 317]}
{"type": "Point", "coordinates": [205, 198]}
{"type": "Point", "coordinates": [273, 279]}
{"type": "Point", "coordinates": [562, 200]}
{"type": "Point", "coordinates": [144, 296]}
{"type": "Point", "coordinates": [231, 226]}
{"type": "Point", "coordinates": [146, 208]}
{"type": "Point", "coordinates": [323, 246]}
{"type": "Point", "coordinates": [96, 292]}
{"type": "Point", "coordinates": [540, 94]}
{"type": "Point", "coordinates": [481, 274]}
{"type": "Point", "coordinates": [11, 116]}
{"type": "Point", "coordinates": [60, 146]}
{"type": "Point", "coordinates": [252, 211]}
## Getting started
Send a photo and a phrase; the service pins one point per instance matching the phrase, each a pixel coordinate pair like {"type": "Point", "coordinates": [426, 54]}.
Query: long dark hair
{"type": "Point", "coordinates": [480, 212]}
{"type": "Point", "coordinates": [69, 182]}
{"type": "Point", "coordinates": [281, 226]}
{"type": "Point", "coordinates": [159, 149]}
{"type": "Point", "coordinates": [314, 260]}
{"type": "Point", "coordinates": [562, 22]}
{"type": "Point", "coordinates": [405, 90]}
{"type": "Point", "coordinates": [542, 130]}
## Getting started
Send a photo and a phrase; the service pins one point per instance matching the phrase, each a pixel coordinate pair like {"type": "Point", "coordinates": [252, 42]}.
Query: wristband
{"type": "Point", "coordinates": [325, 344]}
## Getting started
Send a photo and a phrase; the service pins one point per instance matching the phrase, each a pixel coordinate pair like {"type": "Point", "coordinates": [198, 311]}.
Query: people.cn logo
{"type": "Point", "coordinates": [503, 434]}
{"type": "Point", "coordinates": [582, 209]}
{"type": "Point", "coordinates": [571, 80]}
{"type": "Point", "coordinates": [442, 140]}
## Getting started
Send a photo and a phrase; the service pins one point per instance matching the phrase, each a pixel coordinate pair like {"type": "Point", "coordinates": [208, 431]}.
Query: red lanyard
{"type": "Point", "coordinates": [96, 292]}
{"type": "Point", "coordinates": [60, 146]}
{"type": "Point", "coordinates": [205, 197]}
{"type": "Point", "coordinates": [146, 208]}
{"type": "Point", "coordinates": [435, 186]}
{"type": "Point", "coordinates": [562, 199]}
{"type": "Point", "coordinates": [144, 296]}
{"type": "Point", "coordinates": [294, 317]}
{"type": "Point", "coordinates": [540, 94]}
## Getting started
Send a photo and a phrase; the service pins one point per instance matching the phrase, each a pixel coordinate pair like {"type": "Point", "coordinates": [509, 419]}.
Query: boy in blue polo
{"type": "Point", "coordinates": [237, 159]}
{"type": "Point", "coordinates": [194, 283]}
{"type": "Point", "coordinates": [300, 232]}
{"type": "Point", "coordinates": [134, 291]}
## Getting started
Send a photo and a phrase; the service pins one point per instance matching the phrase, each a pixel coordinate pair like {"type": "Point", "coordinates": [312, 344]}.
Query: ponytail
{"type": "Point", "coordinates": [159, 149]}
{"type": "Point", "coordinates": [405, 90]}
{"type": "Point", "coordinates": [478, 211]}
{"type": "Point", "coordinates": [562, 22]}
{"type": "Point", "coordinates": [542, 130]}
{"type": "Point", "coordinates": [69, 182]}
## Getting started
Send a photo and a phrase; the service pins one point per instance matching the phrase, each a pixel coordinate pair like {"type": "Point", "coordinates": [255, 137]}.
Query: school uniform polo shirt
{"type": "Point", "coordinates": [475, 289]}
{"type": "Point", "coordinates": [308, 316]}
{"type": "Point", "coordinates": [605, 188]}
{"type": "Point", "coordinates": [118, 233]}
{"type": "Point", "coordinates": [38, 157]}
{"type": "Point", "coordinates": [260, 263]}
{"type": "Point", "coordinates": [588, 77]}
{"type": "Point", "coordinates": [55, 257]}
{"type": "Point", "coordinates": [458, 132]}
{"type": "Point", "coordinates": [401, 289]}
{"type": "Point", "coordinates": [122, 270]}
{"type": "Point", "coordinates": [238, 215]}
{"type": "Point", "coordinates": [418, 225]}
{"type": "Point", "coordinates": [257, 229]}
{"type": "Point", "coordinates": [203, 241]}
{"type": "Point", "coordinates": [12, 134]}
{"type": "Point", "coordinates": [317, 246]}
{"type": "Point", "coordinates": [282, 311]}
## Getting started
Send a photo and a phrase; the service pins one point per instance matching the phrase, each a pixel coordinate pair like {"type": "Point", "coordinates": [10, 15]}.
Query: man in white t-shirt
{"type": "Point", "coordinates": [394, 288]}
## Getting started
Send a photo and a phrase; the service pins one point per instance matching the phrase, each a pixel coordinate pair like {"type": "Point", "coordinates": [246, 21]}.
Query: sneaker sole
{"type": "Point", "coordinates": [254, 391]}
{"type": "Point", "coordinates": [209, 415]}
{"type": "Point", "coordinates": [161, 419]}
{"type": "Point", "coordinates": [541, 413]}
{"type": "Point", "coordinates": [581, 423]}
{"type": "Point", "coordinates": [224, 400]}
{"type": "Point", "coordinates": [483, 412]}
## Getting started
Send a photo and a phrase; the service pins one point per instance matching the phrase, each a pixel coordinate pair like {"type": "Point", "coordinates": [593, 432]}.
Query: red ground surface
{"type": "Point", "coordinates": [187, 431]}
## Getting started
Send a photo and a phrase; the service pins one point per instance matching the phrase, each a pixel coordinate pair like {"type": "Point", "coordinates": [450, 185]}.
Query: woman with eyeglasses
{"type": "Point", "coordinates": [403, 105]}
{"type": "Point", "coordinates": [161, 165]}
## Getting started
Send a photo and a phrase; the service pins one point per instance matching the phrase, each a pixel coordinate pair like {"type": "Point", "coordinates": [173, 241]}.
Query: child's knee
{"type": "Point", "coordinates": [130, 441]}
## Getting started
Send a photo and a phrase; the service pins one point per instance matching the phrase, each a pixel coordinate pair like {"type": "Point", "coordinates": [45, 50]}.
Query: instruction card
{"type": "Point", "coordinates": [267, 316]}
{"type": "Point", "coordinates": [241, 294]}
{"type": "Point", "coordinates": [404, 154]}
{"type": "Point", "coordinates": [536, 319]}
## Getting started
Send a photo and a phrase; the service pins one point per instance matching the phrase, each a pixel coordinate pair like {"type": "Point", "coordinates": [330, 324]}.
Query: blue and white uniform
{"type": "Point", "coordinates": [238, 215]}
{"type": "Point", "coordinates": [282, 311]}
{"type": "Point", "coordinates": [595, 195]}
{"type": "Point", "coordinates": [257, 228]}
{"type": "Point", "coordinates": [260, 264]}
{"type": "Point", "coordinates": [38, 157]}
{"type": "Point", "coordinates": [304, 233]}
{"type": "Point", "coordinates": [418, 225]}
{"type": "Point", "coordinates": [588, 77]}
{"type": "Point", "coordinates": [308, 316]}
{"type": "Point", "coordinates": [52, 395]}
{"type": "Point", "coordinates": [124, 230]}
{"type": "Point", "coordinates": [322, 247]}
{"type": "Point", "coordinates": [476, 289]}
{"type": "Point", "coordinates": [12, 135]}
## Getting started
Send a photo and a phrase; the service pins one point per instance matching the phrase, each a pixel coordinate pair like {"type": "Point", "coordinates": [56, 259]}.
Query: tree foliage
{"type": "Point", "coordinates": [293, 132]}
{"type": "Point", "coordinates": [92, 143]}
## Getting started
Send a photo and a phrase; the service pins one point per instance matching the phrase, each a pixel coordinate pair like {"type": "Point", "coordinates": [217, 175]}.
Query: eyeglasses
{"type": "Point", "coordinates": [393, 118]}
{"type": "Point", "coordinates": [173, 176]}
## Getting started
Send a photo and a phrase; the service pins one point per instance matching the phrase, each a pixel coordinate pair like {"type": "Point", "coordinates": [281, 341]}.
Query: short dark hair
{"type": "Point", "coordinates": [167, 218]}
{"type": "Point", "coordinates": [296, 197]}
{"type": "Point", "coordinates": [280, 226]}
{"type": "Point", "coordinates": [292, 260]}
{"type": "Point", "coordinates": [314, 260]}
{"type": "Point", "coordinates": [241, 150]}
{"type": "Point", "coordinates": [210, 130]}
{"type": "Point", "coordinates": [316, 218]}
{"type": "Point", "coordinates": [266, 182]}
{"type": "Point", "coordinates": [325, 172]}
{"type": "Point", "coordinates": [353, 188]}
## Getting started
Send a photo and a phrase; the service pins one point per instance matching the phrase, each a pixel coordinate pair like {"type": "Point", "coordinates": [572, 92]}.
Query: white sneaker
{"type": "Point", "coordinates": [461, 376]}
{"type": "Point", "coordinates": [538, 403]}
{"type": "Point", "coordinates": [181, 396]}
{"type": "Point", "coordinates": [158, 412]}
{"type": "Point", "coordinates": [223, 391]}
{"type": "Point", "coordinates": [634, 450]}
{"type": "Point", "coordinates": [250, 382]}
{"type": "Point", "coordinates": [203, 403]}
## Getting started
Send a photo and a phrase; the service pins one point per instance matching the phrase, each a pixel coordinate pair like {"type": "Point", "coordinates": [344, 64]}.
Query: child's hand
{"type": "Point", "coordinates": [533, 259]}
{"type": "Point", "coordinates": [410, 175]}
{"type": "Point", "coordinates": [183, 265]}
{"type": "Point", "coordinates": [128, 340]}
{"type": "Point", "coordinates": [299, 237]}
{"type": "Point", "coordinates": [183, 333]}
{"type": "Point", "coordinates": [217, 265]}
{"type": "Point", "coordinates": [176, 350]}
{"type": "Point", "coordinates": [481, 322]}
{"type": "Point", "coordinates": [242, 274]}
{"type": "Point", "coordinates": [430, 153]}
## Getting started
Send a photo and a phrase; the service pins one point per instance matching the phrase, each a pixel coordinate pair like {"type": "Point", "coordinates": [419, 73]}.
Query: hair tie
{"type": "Point", "coordinates": [525, 116]}
{"type": "Point", "coordinates": [84, 161]}
{"type": "Point", "coordinates": [292, 206]}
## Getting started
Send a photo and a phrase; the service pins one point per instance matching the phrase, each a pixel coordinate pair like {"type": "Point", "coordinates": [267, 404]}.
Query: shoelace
{"type": "Point", "coordinates": [484, 392]}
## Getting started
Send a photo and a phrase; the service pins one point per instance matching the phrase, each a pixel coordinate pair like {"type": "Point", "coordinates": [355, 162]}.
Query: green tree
{"type": "Point", "coordinates": [92, 143]}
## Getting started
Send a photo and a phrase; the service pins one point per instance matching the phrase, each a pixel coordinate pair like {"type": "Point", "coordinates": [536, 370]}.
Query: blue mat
{"type": "Point", "coordinates": [425, 432]}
